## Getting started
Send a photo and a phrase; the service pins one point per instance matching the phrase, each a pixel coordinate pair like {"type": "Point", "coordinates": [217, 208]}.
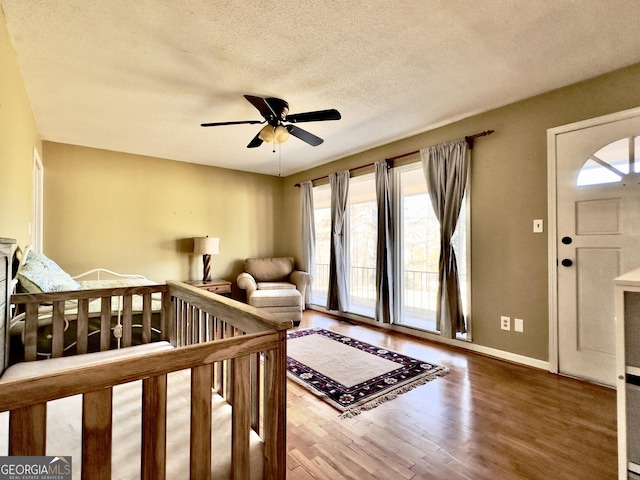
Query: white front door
{"type": "Point", "coordinates": [596, 238]}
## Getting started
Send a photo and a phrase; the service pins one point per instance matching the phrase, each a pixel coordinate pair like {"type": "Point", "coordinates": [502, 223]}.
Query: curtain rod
{"type": "Point", "coordinates": [468, 138]}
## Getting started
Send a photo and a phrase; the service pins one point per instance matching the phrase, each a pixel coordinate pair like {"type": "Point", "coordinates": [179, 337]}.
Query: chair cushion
{"type": "Point", "coordinates": [269, 269]}
{"type": "Point", "coordinates": [275, 298]}
{"type": "Point", "coordinates": [294, 315]}
{"type": "Point", "coordinates": [275, 286]}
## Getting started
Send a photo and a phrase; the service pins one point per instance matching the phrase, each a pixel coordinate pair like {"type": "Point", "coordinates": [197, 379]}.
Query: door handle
{"type": "Point", "coordinates": [567, 240]}
{"type": "Point", "coordinates": [566, 262]}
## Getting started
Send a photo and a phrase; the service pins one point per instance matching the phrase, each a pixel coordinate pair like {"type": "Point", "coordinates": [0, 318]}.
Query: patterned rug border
{"type": "Point", "coordinates": [352, 401]}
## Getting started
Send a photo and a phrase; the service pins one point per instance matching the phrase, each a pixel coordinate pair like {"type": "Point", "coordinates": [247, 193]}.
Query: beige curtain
{"type": "Point", "coordinates": [446, 168]}
{"type": "Point", "coordinates": [384, 263]}
{"type": "Point", "coordinates": [338, 292]}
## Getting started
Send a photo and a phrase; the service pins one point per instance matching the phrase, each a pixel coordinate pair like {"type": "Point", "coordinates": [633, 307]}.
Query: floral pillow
{"type": "Point", "coordinates": [41, 274]}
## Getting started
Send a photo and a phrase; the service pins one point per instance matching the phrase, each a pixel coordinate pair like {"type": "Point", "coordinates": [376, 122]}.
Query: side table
{"type": "Point", "coordinates": [216, 285]}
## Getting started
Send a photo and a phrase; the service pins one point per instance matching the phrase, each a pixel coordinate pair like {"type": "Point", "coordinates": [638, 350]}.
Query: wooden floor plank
{"type": "Point", "coordinates": [486, 419]}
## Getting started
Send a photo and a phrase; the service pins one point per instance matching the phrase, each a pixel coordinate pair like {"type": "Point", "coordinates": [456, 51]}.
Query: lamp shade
{"type": "Point", "coordinates": [270, 134]}
{"type": "Point", "coordinates": [206, 245]}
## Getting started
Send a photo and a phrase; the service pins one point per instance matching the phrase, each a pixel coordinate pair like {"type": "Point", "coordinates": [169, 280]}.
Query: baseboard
{"type": "Point", "coordinates": [462, 344]}
{"type": "Point", "coordinates": [510, 357]}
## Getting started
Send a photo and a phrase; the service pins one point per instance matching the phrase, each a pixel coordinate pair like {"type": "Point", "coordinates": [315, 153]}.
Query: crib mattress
{"type": "Point", "coordinates": [64, 427]}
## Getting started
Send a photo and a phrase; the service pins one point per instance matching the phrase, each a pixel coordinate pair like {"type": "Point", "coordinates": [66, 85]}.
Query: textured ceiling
{"type": "Point", "coordinates": [140, 76]}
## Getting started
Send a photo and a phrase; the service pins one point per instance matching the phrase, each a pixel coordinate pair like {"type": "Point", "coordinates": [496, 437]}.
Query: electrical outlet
{"type": "Point", "coordinates": [518, 325]}
{"type": "Point", "coordinates": [505, 323]}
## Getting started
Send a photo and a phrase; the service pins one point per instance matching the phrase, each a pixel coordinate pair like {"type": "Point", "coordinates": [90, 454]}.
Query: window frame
{"type": "Point", "coordinates": [399, 251]}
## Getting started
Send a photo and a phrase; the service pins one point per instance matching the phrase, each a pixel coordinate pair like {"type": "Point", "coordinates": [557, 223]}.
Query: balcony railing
{"type": "Point", "coordinates": [419, 293]}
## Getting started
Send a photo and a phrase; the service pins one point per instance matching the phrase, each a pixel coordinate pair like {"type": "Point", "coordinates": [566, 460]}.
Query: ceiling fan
{"type": "Point", "coordinates": [276, 112]}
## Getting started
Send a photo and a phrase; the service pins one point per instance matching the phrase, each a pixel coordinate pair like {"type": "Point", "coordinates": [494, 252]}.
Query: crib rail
{"type": "Point", "coordinates": [73, 310]}
{"type": "Point", "coordinates": [230, 347]}
{"type": "Point", "coordinates": [206, 316]}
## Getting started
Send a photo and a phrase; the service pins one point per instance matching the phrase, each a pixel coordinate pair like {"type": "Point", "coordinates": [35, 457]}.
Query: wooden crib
{"type": "Point", "coordinates": [228, 348]}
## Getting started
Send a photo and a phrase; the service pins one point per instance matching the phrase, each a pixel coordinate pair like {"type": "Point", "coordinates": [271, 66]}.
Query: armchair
{"type": "Point", "coordinates": [275, 285]}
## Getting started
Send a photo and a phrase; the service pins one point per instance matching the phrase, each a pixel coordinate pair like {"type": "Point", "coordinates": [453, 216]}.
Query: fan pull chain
{"type": "Point", "coordinates": [279, 160]}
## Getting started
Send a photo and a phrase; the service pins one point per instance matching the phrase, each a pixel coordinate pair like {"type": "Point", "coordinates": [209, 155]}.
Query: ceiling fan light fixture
{"type": "Point", "coordinates": [282, 134]}
{"type": "Point", "coordinates": [275, 135]}
{"type": "Point", "coordinates": [275, 112]}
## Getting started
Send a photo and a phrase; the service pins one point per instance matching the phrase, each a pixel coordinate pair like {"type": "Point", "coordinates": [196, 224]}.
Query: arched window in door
{"type": "Point", "coordinates": [618, 162]}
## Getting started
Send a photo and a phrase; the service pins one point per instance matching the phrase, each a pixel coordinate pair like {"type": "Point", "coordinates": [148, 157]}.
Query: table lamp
{"type": "Point", "coordinates": [206, 246]}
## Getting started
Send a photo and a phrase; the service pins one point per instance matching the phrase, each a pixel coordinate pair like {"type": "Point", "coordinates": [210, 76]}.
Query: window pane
{"type": "Point", "coordinates": [592, 173]}
{"type": "Point", "coordinates": [460, 246]}
{"type": "Point", "coordinates": [615, 155]}
{"type": "Point", "coordinates": [420, 254]}
{"type": "Point", "coordinates": [362, 239]}
{"type": "Point", "coordinates": [322, 223]}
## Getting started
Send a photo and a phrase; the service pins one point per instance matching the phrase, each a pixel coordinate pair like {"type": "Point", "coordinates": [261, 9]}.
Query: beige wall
{"type": "Point", "coordinates": [508, 191]}
{"type": "Point", "coordinates": [18, 137]}
{"type": "Point", "coordinates": [139, 214]}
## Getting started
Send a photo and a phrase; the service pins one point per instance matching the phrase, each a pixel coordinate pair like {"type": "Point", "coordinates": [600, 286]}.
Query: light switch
{"type": "Point", "coordinates": [538, 226]}
{"type": "Point", "coordinates": [518, 324]}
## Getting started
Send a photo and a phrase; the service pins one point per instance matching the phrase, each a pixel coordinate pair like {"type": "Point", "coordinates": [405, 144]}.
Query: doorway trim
{"type": "Point", "coordinates": [552, 197]}
{"type": "Point", "coordinates": [37, 225]}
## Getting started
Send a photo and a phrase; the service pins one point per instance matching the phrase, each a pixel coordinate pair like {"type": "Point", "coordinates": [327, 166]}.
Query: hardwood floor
{"type": "Point", "coordinates": [486, 419]}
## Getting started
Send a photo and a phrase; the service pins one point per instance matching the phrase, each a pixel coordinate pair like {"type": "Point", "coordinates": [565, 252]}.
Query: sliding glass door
{"type": "Point", "coordinates": [417, 248]}
{"type": "Point", "coordinates": [418, 238]}
{"type": "Point", "coordinates": [362, 239]}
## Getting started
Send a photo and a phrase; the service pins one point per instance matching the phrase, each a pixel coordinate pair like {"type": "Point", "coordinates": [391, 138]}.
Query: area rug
{"type": "Point", "coordinates": [351, 375]}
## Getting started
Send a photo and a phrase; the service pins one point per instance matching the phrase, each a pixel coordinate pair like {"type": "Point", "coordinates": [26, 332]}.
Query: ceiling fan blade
{"type": "Point", "coordinates": [305, 136]}
{"type": "Point", "coordinates": [262, 105]}
{"type": "Point", "coordinates": [256, 142]}
{"type": "Point", "coordinates": [319, 116]}
{"type": "Point", "coordinates": [216, 124]}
